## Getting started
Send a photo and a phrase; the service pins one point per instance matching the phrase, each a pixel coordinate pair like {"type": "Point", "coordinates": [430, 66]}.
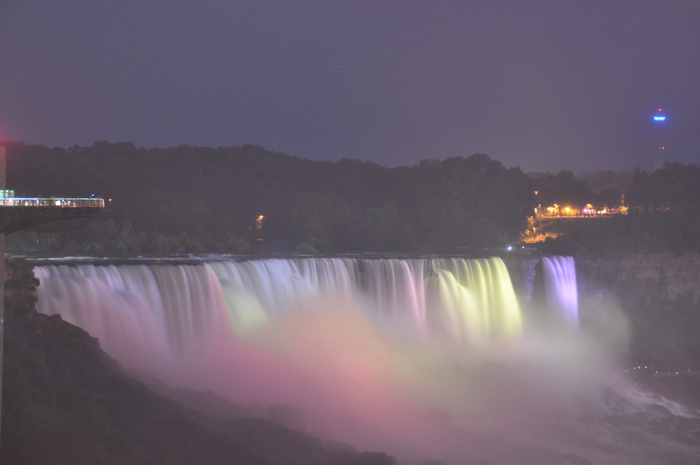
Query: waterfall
{"type": "Point", "coordinates": [560, 287]}
{"type": "Point", "coordinates": [195, 324]}
{"type": "Point", "coordinates": [161, 309]}
{"type": "Point", "coordinates": [361, 346]}
{"type": "Point", "coordinates": [143, 314]}
{"type": "Point", "coordinates": [420, 357]}
{"type": "Point", "coordinates": [165, 307]}
{"type": "Point", "coordinates": [153, 316]}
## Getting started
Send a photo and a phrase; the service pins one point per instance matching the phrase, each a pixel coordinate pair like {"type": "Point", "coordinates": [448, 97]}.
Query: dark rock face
{"type": "Point", "coordinates": [671, 275]}
{"type": "Point", "coordinates": [67, 402]}
{"type": "Point", "coordinates": [658, 296]}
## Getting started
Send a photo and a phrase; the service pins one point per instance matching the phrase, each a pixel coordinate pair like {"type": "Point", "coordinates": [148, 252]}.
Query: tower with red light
{"type": "Point", "coordinates": [660, 152]}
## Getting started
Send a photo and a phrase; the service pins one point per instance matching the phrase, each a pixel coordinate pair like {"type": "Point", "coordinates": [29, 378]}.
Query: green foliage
{"type": "Point", "coordinates": [192, 199]}
{"type": "Point", "coordinates": [383, 228]}
{"type": "Point", "coordinates": [610, 197]}
{"type": "Point", "coordinates": [674, 186]}
{"type": "Point", "coordinates": [467, 202]}
{"type": "Point", "coordinates": [563, 189]}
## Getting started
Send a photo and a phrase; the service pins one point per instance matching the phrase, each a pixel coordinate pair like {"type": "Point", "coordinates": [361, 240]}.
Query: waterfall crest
{"type": "Point", "coordinates": [165, 307]}
{"type": "Point", "coordinates": [187, 323]}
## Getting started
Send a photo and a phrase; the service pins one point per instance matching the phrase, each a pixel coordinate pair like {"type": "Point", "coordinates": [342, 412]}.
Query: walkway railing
{"type": "Point", "coordinates": [52, 202]}
{"type": "Point", "coordinates": [579, 215]}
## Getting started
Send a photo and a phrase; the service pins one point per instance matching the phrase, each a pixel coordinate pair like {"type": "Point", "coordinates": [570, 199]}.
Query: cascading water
{"type": "Point", "coordinates": [423, 358]}
{"type": "Point", "coordinates": [161, 309]}
{"type": "Point", "coordinates": [561, 291]}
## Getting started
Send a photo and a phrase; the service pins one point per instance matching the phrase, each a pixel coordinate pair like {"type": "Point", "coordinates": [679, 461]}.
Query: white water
{"type": "Point", "coordinates": [423, 358]}
{"type": "Point", "coordinates": [561, 289]}
{"type": "Point", "coordinates": [164, 309]}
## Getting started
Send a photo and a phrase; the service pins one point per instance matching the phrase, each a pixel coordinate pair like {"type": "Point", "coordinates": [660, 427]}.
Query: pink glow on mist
{"type": "Point", "coordinates": [395, 367]}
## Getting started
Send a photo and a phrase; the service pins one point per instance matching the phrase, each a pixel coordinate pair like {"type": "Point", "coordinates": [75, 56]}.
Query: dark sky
{"type": "Point", "coordinates": [543, 84]}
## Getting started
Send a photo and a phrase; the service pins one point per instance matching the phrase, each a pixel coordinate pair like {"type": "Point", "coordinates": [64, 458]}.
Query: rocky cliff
{"type": "Point", "coordinates": [655, 300]}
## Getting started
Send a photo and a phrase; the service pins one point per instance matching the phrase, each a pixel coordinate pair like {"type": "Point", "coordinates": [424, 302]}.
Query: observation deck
{"type": "Point", "coordinates": [18, 213]}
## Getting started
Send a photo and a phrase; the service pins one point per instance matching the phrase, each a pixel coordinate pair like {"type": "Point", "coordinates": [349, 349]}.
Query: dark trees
{"type": "Point", "coordinates": [664, 216]}
{"type": "Point", "coordinates": [563, 189]}
{"type": "Point", "coordinates": [195, 199]}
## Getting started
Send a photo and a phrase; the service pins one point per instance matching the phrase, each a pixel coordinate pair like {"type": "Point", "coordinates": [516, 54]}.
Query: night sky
{"type": "Point", "coordinates": [544, 84]}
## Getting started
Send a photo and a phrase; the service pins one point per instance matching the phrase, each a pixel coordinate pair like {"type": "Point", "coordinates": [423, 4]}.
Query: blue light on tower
{"type": "Point", "coordinates": [661, 157]}
{"type": "Point", "coordinates": [659, 117]}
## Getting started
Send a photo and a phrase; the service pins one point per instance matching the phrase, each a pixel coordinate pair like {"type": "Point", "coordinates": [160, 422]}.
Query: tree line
{"type": "Point", "coordinates": [228, 199]}
{"type": "Point", "coordinates": [189, 199]}
{"type": "Point", "coordinates": [663, 217]}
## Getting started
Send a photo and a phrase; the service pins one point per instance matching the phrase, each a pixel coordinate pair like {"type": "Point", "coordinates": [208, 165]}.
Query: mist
{"type": "Point", "coordinates": [407, 376]}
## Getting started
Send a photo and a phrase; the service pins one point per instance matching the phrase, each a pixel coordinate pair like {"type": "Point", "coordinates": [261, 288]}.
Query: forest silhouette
{"type": "Point", "coordinates": [189, 199]}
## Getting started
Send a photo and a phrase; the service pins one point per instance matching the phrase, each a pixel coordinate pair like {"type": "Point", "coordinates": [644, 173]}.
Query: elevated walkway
{"type": "Point", "coordinates": [19, 213]}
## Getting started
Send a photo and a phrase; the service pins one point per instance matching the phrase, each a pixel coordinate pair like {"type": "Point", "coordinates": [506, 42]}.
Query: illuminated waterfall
{"type": "Point", "coordinates": [560, 288]}
{"type": "Point", "coordinates": [157, 311]}
{"type": "Point", "coordinates": [153, 316]}
{"type": "Point", "coordinates": [424, 358]}
{"type": "Point", "coordinates": [475, 299]}
{"type": "Point", "coordinates": [367, 339]}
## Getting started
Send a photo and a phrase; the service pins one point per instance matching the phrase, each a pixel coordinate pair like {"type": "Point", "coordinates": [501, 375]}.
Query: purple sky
{"type": "Point", "coordinates": [541, 84]}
